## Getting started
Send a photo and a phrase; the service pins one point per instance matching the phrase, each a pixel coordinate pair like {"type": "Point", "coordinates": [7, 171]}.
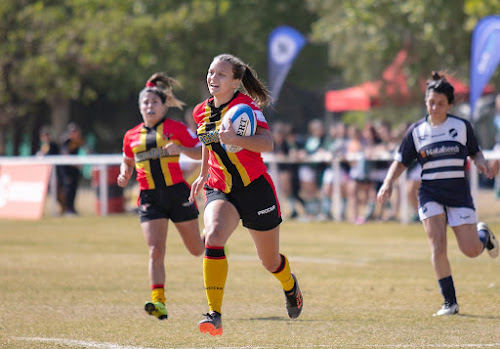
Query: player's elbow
{"type": "Point", "coordinates": [269, 146]}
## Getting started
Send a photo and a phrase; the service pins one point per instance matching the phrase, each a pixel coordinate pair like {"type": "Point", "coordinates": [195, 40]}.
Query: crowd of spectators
{"type": "Point", "coordinates": [306, 178]}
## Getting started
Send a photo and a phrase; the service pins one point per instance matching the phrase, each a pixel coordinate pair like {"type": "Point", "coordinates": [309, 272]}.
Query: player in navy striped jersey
{"type": "Point", "coordinates": [441, 143]}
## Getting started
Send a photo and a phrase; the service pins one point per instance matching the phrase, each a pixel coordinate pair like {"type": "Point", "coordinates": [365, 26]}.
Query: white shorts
{"type": "Point", "coordinates": [378, 175]}
{"type": "Point", "coordinates": [328, 176]}
{"type": "Point", "coordinates": [456, 215]}
{"type": "Point", "coordinates": [307, 174]}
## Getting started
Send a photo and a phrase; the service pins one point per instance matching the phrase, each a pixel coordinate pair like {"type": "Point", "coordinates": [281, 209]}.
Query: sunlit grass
{"type": "Point", "coordinates": [85, 279]}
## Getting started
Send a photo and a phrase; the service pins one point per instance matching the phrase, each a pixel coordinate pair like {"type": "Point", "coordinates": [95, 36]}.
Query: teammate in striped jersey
{"type": "Point", "coordinates": [237, 186]}
{"type": "Point", "coordinates": [153, 148]}
{"type": "Point", "coordinates": [441, 143]}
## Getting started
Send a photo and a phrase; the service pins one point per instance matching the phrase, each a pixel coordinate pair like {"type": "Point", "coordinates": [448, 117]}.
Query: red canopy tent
{"type": "Point", "coordinates": [392, 86]}
{"type": "Point", "coordinates": [367, 95]}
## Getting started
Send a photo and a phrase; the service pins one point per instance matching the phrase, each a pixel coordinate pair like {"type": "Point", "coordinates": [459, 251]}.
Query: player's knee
{"type": "Point", "coordinates": [196, 250]}
{"type": "Point", "coordinates": [472, 251]}
{"type": "Point", "coordinates": [214, 237]}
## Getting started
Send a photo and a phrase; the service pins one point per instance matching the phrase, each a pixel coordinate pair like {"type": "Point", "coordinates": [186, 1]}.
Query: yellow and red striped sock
{"type": "Point", "coordinates": [284, 275]}
{"type": "Point", "coordinates": [158, 293]}
{"type": "Point", "coordinates": [214, 275]}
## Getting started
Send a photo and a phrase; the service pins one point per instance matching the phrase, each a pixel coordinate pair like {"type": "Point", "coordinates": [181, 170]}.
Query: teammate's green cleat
{"type": "Point", "coordinates": [156, 309]}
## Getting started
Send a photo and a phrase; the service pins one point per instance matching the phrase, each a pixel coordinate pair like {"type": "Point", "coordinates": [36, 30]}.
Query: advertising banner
{"type": "Point", "coordinates": [284, 45]}
{"type": "Point", "coordinates": [23, 189]}
{"type": "Point", "coordinates": [485, 56]}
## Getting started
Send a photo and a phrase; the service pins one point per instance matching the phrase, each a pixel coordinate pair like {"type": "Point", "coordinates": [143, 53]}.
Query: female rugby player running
{"type": "Point", "coordinates": [237, 186]}
{"type": "Point", "coordinates": [153, 147]}
{"type": "Point", "coordinates": [441, 143]}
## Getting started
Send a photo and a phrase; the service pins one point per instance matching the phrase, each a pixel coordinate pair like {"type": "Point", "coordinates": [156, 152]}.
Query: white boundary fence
{"type": "Point", "coordinates": [103, 161]}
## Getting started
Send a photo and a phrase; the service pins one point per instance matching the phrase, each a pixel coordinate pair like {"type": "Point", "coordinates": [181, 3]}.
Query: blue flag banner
{"type": "Point", "coordinates": [284, 45]}
{"type": "Point", "coordinates": [485, 56]}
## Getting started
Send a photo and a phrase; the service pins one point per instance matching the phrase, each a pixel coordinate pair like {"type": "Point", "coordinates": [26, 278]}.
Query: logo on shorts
{"type": "Point", "coordinates": [464, 217]}
{"type": "Point", "coordinates": [266, 210]}
{"type": "Point", "coordinates": [187, 204]}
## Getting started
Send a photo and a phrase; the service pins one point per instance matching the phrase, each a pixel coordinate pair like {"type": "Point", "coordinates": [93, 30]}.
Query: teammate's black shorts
{"type": "Point", "coordinates": [256, 203]}
{"type": "Point", "coordinates": [170, 203]}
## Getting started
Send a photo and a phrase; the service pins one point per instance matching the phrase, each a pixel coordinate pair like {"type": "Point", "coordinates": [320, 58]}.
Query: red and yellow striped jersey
{"type": "Point", "coordinates": [154, 166]}
{"type": "Point", "coordinates": [228, 171]}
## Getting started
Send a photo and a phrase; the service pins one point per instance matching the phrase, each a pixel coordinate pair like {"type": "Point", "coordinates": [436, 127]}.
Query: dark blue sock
{"type": "Point", "coordinates": [448, 289]}
{"type": "Point", "coordinates": [484, 236]}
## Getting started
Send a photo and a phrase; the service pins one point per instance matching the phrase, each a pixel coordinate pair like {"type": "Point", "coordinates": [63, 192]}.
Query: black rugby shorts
{"type": "Point", "coordinates": [256, 203]}
{"type": "Point", "coordinates": [171, 203]}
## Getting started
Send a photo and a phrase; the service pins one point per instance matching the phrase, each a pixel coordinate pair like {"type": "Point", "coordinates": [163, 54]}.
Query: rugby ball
{"type": "Point", "coordinates": [243, 121]}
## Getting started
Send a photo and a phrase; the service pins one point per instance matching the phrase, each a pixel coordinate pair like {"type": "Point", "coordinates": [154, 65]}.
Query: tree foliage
{"type": "Point", "coordinates": [364, 36]}
{"type": "Point", "coordinates": [65, 52]}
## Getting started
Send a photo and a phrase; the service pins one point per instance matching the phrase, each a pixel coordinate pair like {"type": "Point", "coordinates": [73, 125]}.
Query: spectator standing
{"type": "Point", "coordinates": [385, 148]}
{"type": "Point", "coordinates": [359, 182]}
{"type": "Point", "coordinates": [70, 174]}
{"type": "Point", "coordinates": [47, 145]}
{"type": "Point", "coordinates": [336, 144]}
{"type": "Point", "coordinates": [281, 153]}
{"type": "Point", "coordinates": [311, 172]}
{"type": "Point", "coordinates": [50, 147]}
{"type": "Point", "coordinates": [295, 144]}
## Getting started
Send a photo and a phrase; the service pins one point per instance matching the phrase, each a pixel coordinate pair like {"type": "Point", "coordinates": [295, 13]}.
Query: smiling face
{"type": "Point", "coordinates": [152, 109]}
{"type": "Point", "coordinates": [437, 106]}
{"type": "Point", "coordinates": [221, 82]}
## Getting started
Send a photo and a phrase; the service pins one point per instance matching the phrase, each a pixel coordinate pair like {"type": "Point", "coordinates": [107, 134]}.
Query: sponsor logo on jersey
{"type": "Point", "coordinates": [209, 137]}
{"type": "Point", "coordinates": [167, 137]}
{"type": "Point", "coordinates": [440, 151]}
{"type": "Point", "coordinates": [152, 154]}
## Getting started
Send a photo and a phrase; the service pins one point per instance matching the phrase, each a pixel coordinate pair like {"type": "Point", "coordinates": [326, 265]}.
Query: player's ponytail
{"type": "Point", "coordinates": [161, 84]}
{"type": "Point", "coordinates": [255, 88]}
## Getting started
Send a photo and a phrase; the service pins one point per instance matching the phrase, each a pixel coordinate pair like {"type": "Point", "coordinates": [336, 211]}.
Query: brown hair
{"type": "Point", "coordinates": [161, 84]}
{"type": "Point", "coordinates": [252, 85]}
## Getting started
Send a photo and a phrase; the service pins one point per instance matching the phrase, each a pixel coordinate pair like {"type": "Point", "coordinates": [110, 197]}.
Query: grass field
{"type": "Point", "coordinates": [81, 283]}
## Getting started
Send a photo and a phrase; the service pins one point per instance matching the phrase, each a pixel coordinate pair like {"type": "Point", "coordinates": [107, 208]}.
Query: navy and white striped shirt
{"type": "Point", "coordinates": [442, 152]}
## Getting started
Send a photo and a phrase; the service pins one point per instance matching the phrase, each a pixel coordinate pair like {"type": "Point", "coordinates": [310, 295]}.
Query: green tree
{"type": "Point", "coordinates": [365, 35]}
{"type": "Point", "coordinates": [57, 52]}
{"type": "Point", "coordinates": [66, 53]}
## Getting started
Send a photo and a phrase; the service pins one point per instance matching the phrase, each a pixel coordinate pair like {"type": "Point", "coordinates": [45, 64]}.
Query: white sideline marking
{"type": "Point", "coordinates": [431, 345]}
{"type": "Point", "coordinates": [104, 345]}
{"type": "Point", "coordinates": [79, 343]}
